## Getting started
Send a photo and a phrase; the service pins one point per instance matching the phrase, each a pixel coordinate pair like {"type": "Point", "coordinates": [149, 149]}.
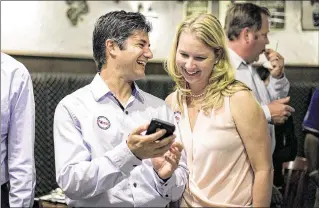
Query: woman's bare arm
{"type": "Point", "coordinates": [252, 127]}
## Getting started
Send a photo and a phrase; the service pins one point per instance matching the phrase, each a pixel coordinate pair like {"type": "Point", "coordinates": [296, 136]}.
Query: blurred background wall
{"type": "Point", "coordinates": [55, 36]}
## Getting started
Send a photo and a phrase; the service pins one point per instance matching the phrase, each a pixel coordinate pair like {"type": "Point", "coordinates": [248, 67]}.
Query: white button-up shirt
{"type": "Point", "coordinates": [276, 89]}
{"type": "Point", "coordinates": [17, 132]}
{"type": "Point", "coordinates": [94, 166]}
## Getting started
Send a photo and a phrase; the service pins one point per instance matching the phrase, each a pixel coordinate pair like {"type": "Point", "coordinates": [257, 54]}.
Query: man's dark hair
{"type": "Point", "coordinates": [241, 15]}
{"type": "Point", "coordinates": [117, 26]}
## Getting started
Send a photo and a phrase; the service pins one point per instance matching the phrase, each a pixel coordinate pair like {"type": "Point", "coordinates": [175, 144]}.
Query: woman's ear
{"type": "Point", "coordinates": [218, 54]}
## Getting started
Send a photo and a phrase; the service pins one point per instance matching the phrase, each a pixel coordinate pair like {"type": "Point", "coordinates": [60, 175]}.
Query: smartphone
{"type": "Point", "coordinates": [160, 124]}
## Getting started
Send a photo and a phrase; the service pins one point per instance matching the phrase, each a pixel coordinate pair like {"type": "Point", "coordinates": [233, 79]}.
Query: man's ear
{"type": "Point", "coordinates": [110, 47]}
{"type": "Point", "coordinates": [245, 34]}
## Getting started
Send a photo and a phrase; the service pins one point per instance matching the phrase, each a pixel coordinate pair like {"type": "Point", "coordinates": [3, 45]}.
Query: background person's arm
{"type": "Point", "coordinates": [21, 135]}
{"type": "Point", "coordinates": [278, 86]}
{"type": "Point", "coordinates": [252, 127]}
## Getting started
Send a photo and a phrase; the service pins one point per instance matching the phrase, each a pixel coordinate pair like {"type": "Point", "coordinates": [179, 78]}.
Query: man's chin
{"type": "Point", "coordinates": [140, 76]}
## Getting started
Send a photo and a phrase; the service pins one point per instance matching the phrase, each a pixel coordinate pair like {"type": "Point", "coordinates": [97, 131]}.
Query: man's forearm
{"type": "Point", "coordinates": [21, 138]}
{"type": "Point", "coordinates": [262, 188]}
{"type": "Point", "coordinates": [278, 88]}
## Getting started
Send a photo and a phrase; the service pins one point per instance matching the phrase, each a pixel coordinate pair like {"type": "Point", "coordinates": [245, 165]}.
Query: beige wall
{"type": "Point", "coordinates": [42, 28]}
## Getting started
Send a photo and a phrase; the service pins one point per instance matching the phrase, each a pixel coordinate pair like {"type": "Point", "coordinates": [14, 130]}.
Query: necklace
{"type": "Point", "coordinates": [197, 96]}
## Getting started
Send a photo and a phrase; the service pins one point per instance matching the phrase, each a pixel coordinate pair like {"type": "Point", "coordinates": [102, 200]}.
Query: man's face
{"type": "Point", "coordinates": [131, 61]}
{"type": "Point", "coordinates": [259, 40]}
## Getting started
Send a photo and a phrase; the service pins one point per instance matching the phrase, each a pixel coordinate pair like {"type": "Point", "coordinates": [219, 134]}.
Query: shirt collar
{"type": "Point", "coordinates": [137, 92]}
{"type": "Point", "coordinates": [235, 59]}
{"type": "Point", "coordinates": [99, 89]}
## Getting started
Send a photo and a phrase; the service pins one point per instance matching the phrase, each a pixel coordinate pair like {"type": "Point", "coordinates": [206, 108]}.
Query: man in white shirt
{"type": "Point", "coordinates": [103, 158]}
{"type": "Point", "coordinates": [17, 135]}
{"type": "Point", "coordinates": [247, 27]}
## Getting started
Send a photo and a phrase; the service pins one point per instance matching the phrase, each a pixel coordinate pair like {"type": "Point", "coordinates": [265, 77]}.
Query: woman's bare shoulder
{"type": "Point", "coordinates": [169, 99]}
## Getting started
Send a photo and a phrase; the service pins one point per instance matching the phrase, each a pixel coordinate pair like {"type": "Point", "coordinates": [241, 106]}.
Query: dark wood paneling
{"type": "Point", "coordinates": [300, 74]}
{"type": "Point", "coordinates": [53, 64]}
{"type": "Point", "coordinates": [73, 65]}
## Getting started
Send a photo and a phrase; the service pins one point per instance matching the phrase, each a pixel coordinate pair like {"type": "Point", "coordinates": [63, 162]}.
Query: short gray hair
{"type": "Point", "coordinates": [241, 15]}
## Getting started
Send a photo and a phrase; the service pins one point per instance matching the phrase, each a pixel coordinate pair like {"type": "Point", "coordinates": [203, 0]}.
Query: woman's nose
{"type": "Point", "coordinates": [190, 63]}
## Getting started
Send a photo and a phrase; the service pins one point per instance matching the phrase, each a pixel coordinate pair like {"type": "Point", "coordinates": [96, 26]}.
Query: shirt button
{"type": "Point", "coordinates": [134, 184]}
{"type": "Point", "coordinates": [134, 165]}
{"type": "Point", "coordinates": [126, 112]}
{"type": "Point", "coordinates": [165, 185]}
{"type": "Point", "coordinates": [166, 195]}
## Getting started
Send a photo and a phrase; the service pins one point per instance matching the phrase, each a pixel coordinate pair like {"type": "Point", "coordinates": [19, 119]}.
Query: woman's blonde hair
{"type": "Point", "coordinates": [222, 82]}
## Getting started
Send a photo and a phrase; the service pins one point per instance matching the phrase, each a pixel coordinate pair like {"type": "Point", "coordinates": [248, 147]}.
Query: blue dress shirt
{"type": "Point", "coordinates": [17, 132]}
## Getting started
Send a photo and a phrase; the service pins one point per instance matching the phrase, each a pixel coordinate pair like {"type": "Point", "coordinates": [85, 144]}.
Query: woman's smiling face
{"type": "Point", "coordinates": [194, 59]}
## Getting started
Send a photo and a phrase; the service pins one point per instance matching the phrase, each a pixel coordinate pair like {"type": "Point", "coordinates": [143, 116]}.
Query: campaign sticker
{"type": "Point", "coordinates": [103, 122]}
{"type": "Point", "coordinates": [177, 115]}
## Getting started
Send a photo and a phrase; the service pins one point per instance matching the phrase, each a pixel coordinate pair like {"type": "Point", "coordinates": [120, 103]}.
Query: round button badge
{"type": "Point", "coordinates": [103, 122]}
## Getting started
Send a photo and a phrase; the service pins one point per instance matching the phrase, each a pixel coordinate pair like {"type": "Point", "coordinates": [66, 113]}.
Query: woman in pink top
{"type": "Point", "coordinates": [224, 129]}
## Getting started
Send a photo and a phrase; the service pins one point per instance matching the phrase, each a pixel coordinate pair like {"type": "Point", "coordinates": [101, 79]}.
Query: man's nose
{"type": "Point", "coordinates": [148, 53]}
{"type": "Point", "coordinates": [267, 41]}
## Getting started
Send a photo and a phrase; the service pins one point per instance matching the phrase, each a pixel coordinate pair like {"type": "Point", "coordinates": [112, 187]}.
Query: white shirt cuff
{"type": "Point", "coordinates": [266, 112]}
{"type": "Point", "coordinates": [165, 188]}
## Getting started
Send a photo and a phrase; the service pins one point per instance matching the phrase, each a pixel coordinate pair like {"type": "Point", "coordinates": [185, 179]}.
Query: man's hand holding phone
{"type": "Point", "coordinates": [149, 146]}
{"type": "Point", "coordinates": [158, 144]}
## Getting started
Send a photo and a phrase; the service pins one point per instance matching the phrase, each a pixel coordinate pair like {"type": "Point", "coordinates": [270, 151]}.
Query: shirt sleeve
{"type": "Point", "coordinates": [173, 188]}
{"type": "Point", "coordinates": [311, 121]}
{"type": "Point", "coordinates": [278, 88]}
{"type": "Point", "coordinates": [77, 174]}
{"type": "Point", "coordinates": [21, 167]}
{"type": "Point", "coordinates": [266, 112]}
